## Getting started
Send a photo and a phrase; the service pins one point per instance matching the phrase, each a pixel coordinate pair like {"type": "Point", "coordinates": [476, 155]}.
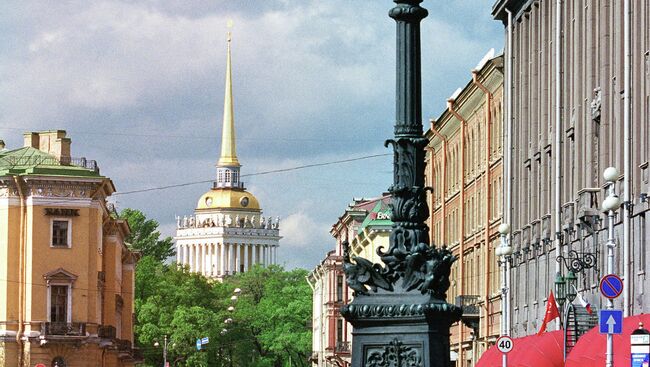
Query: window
{"type": "Point", "coordinates": [61, 232]}
{"type": "Point", "coordinates": [59, 295]}
{"type": "Point", "coordinates": [59, 303]}
{"type": "Point", "coordinates": [339, 288]}
{"type": "Point", "coordinates": [339, 330]}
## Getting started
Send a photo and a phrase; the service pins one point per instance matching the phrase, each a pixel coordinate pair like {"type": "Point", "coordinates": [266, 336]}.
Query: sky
{"type": "Point", "coordinates": [139, 87]}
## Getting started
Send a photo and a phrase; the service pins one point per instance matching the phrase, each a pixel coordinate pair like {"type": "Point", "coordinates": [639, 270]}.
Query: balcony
{"type": "Point", "coordinates": [73, 329]}
{"type": "Point", "coordinates": [124, 349]}
{"type": "Point", "coordinates": [107, 332]}
{"type": "Point", "coordinates": [342, 347]}
{"type": "Point", "coordinates": [471, 311]}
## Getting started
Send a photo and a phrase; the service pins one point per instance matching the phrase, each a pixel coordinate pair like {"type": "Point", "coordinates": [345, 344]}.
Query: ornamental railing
{"type": "Point", "coordinates": [342, 347]}
{"type": "Point", "coordinates": [52, 161]}
{"type": "Point", "coordinates": [123, 345]}
{"type": "Point", "coordinates": [107, 332]}
{"type": "Point", "coordinates": [63, 329]}
{"type": "Point", "coordinates": [469, 304]}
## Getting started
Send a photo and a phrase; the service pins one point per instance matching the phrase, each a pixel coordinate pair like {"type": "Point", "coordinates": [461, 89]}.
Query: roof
{"type": "Point", "coordinates": [228, 198]}
{"type": "Point", "coordinates": [31, 161]}
{"type": "Point", "coordinates": [379, 215]}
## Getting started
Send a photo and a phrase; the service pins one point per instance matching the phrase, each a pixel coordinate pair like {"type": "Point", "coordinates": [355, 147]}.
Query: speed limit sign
{"type": "Point", "coordinates": [505, 344]}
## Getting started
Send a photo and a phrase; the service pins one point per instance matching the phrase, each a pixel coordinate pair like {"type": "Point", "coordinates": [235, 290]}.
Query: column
{"type": "Point", "coordinates": [229, 266]}
{"type": "Point", "coordinates": [221, 258]}
{"type": "Point", "coordinates": [210, 269]}
{"type": "Point", "coordinates": [191, 256]}
{"type": "Point", "coordinates": [275, 254]}
{"type": "Point", "coordinates": [256, 254]}
{"type": "Point", "coordinates": [206, 257]}
{"type": "Point", "coordinates": [244, 247]}
{"type": "Point", "coordinates": [197, 258]}
{"type": "Point", "coordinates": [186, 253]}
{"type": "Point", "coordinates": [237, 256]}
{"type": "Point", "coordinates": [265, 255]}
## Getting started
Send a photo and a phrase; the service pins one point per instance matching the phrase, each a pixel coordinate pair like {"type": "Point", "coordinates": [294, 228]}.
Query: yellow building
{"type": "Point", "coordinates": [66, 274]}
{"type": "Point", "coordinates": [464, 166]}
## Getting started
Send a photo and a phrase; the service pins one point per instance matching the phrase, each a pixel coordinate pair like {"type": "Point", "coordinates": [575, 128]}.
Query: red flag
{"type": "Point", "coordinates": [551, 313]}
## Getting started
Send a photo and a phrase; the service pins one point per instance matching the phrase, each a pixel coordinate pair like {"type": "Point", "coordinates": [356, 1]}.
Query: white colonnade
{"type": "Point", "coordinates": [219, 259]}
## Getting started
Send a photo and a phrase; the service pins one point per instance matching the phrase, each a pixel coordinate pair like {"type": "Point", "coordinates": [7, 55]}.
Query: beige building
{"type": "Point", "coordinates": [66, 274]}
{"type": "Point", "coordinates": [366, 225]}
{"type": "Point", "coordinates": [227, 232]}
{"type": "Point", "coordinates": [464, 167]}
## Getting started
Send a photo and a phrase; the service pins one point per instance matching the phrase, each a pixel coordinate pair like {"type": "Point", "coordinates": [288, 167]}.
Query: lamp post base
{"type": "Point", "coordinates": [400, 329]}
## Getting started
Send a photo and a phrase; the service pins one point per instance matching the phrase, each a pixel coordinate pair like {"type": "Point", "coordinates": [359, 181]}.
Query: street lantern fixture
{"type": "Point", "coordinates": [504, 251]}
{"type": "Point", "coordinates": [560, 289]}
{"type": "Point", "coordinates": [611, 203]}
{"type": "Point", "coordinates": [571, 289]}
{"type": "Point", "coordinates": [156, 344]}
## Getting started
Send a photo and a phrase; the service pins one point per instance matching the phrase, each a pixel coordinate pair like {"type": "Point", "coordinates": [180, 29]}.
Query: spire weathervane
{"type": "Point", "coordinates": [228, 164]}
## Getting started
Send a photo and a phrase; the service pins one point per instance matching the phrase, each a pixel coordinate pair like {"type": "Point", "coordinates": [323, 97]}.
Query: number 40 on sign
{"type": "Point", "coordinates": [505, 344]}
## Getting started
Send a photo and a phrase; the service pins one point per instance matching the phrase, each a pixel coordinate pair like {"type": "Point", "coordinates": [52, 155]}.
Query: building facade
{"type": "Point", "coordinates": [464, 168]}
{"type": "Point", "coordinates": [66, 274]}
{"type": "Point", "coordinates": [578, 102]}
{"type": "Point", "coordinates": [227, 232]}
{"type": "Point", "coordinates": [365, 225]}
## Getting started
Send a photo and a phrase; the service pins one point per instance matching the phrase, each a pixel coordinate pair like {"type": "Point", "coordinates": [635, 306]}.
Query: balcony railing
{"type": "Point", "coordinates": [107, 332]}
{"type": "Point", "coordinates": [342, 347]}
{"type": "Point", "coordinates": [52, 161]}
{"type": "Point", "coordinates": [123, 345]}
{"type": "Point", "coordinates": [63, 329]}
{"type": "Point", "coordinates": [469, 304]}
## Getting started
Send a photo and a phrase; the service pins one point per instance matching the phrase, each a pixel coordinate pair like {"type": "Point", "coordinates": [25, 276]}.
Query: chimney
{"type": "Point", "coordinates": [51, 142]}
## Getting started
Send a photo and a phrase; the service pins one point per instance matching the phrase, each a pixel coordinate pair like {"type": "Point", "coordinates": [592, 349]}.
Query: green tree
{"type": "Point", "coordinates": [145, 236]}
{"type": "Point", "coordinates": [275, 306]}
{"type": "Point", "coordinates": [269, 320]}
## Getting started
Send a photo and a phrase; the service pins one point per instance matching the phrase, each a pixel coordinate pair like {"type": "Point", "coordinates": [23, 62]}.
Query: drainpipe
{"type": "Point", "coordinates": [21, 271]}
{"type": "Point", "coordinates": [627, 159]}
{"type": "Point", "coordinates": [486, 230]}
{"type": "Point", "coordinates": [463, 123]}
{"type": "Point", "coordinates": [558, 136]}
{"type": "Point", "coordinates": [430, 175]}
{"type": "Point", "coordinates": [444, 179]}
{"type": "Point", "coordinates": [507, 155]}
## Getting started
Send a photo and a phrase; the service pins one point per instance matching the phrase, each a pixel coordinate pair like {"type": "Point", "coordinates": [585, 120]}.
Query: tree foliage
{"type": "Point", "coordinates": [145, 236]}
{"type": "Point", "coordinates": [269, 325]}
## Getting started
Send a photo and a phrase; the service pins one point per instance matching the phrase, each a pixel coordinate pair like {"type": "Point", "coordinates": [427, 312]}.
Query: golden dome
{"type": "Point", "coordinates": [228, 199]}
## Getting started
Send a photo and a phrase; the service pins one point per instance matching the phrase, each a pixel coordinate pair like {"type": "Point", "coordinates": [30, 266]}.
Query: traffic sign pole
{"type": "Point", "coordinates": [611, 203]}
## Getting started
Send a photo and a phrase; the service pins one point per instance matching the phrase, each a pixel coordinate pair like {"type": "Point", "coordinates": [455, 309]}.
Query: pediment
{"type": "Point", "coordinates": [61, 275]}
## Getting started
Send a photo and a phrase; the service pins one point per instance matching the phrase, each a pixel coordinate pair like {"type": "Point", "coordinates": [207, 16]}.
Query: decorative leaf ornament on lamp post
{"type": "Point", "coordinates": [400, 316]}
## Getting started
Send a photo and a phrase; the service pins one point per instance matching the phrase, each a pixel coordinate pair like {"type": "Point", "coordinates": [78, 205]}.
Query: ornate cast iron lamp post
{"type": "Point", "coordinates": [400, 316]}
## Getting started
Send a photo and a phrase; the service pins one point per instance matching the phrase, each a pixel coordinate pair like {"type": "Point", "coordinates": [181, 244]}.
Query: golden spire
{"type": "Point", "coordinates": [228, 148]}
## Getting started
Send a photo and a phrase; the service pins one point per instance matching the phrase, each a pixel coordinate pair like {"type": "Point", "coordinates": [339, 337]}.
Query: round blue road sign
{"type": "Point", "coordinates": [611, 286]}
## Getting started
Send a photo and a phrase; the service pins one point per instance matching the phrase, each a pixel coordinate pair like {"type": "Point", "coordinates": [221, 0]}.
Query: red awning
{"type": "Point", "coordinates": [591, 347]}
{"type": "Point", "coordinates": [529, 351]}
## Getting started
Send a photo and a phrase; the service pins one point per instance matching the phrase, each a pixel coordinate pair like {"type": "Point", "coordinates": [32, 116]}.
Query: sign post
{"type": "Point", "coordinates": [610, 321]}
{"type": "Point", "coordinates": [640, 347]}
{"type": "Point", "coordinates": [611, 286]}
{"type": "Point", "coordinates": [505, 345]}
